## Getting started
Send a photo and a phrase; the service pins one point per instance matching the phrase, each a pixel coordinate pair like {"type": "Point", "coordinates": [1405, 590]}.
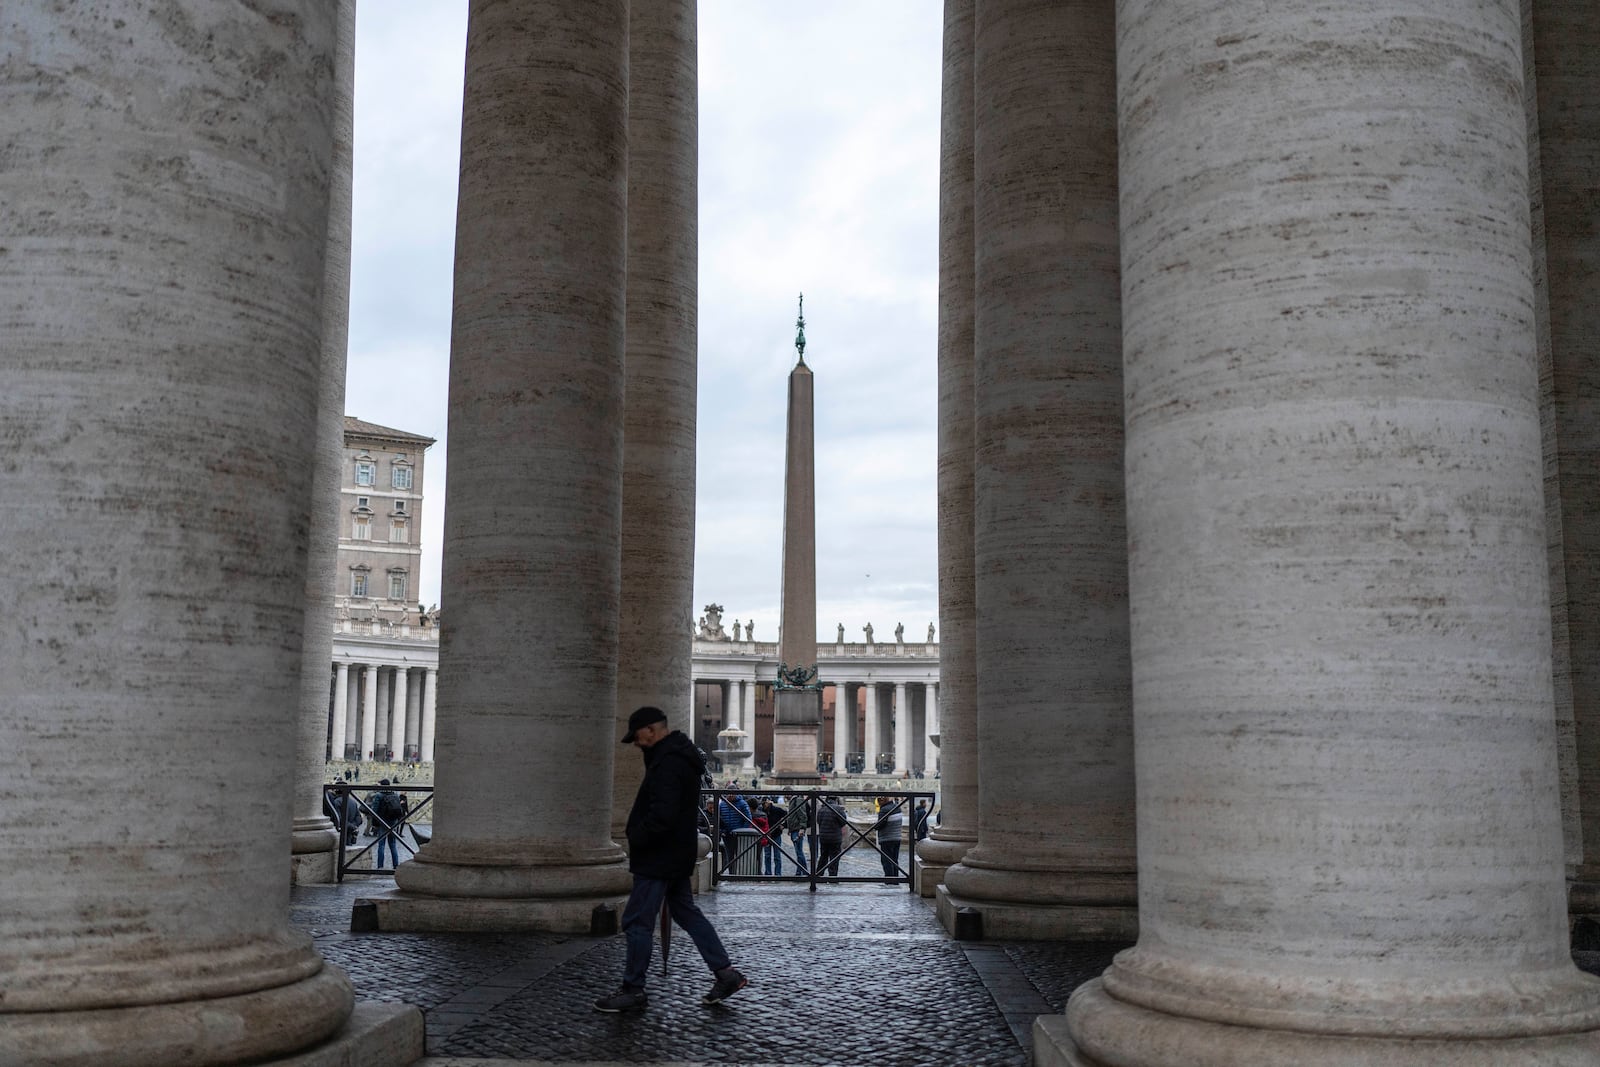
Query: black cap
{"type": "Point", "coordinates": [383, 781]}
{"type": "Point", "coordinates": [645, 716]}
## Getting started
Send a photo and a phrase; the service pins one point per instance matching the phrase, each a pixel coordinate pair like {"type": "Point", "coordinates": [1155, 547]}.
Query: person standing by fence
{"type": "Point", "coordinates": [891, 827]}
{"type": "Point", "coordinates": [662, 847]}
{"type": "Point", "coordinates": [796, 824]}
{"type": "Point", "coordinates": [830, 835]}
{"type": "Point", "coordinates": [390, 808]}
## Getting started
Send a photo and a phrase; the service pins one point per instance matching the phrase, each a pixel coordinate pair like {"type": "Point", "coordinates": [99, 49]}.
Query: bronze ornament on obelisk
{"type": "Point", "coordinates": [799, 704]}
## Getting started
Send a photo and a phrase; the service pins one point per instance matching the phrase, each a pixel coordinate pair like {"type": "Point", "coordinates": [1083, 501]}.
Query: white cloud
{"type": "Point", "coordinates": [818, 171]}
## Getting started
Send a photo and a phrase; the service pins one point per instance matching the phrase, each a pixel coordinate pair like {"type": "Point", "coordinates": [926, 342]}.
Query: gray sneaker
{"type": "Point", "coordinates": [729, 981]}
{"type": "Point", "coordinates": [624, 999]}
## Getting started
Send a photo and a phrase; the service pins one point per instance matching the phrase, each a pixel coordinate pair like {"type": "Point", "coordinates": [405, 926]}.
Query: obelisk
{"type": "Point", "coordinates": [799, 711]}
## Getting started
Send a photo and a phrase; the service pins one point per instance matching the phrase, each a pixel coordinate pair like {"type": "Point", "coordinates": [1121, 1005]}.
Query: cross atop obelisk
{"type": "Point", "coordinates": [799, 710]}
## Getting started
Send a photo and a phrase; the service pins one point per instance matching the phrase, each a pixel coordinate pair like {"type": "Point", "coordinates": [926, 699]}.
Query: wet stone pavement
{"type": "Point", "coordinates": [852, 975]}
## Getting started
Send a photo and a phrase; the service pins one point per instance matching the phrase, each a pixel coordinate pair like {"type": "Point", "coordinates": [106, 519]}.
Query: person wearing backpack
{"type": "Point", "coordinates": [390, 808]}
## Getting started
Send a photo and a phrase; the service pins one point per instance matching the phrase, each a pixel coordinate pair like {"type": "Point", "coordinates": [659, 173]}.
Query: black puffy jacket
{"type": "Point", "coordinates": [662, 826]}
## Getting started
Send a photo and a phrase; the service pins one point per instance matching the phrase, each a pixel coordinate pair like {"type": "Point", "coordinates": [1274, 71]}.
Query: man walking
{"type": "Point", "coordinates": [661, 854]}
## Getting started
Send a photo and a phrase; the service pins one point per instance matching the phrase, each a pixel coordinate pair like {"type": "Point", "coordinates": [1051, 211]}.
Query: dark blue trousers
{"type": "Point", "coordinates": [639, 923]}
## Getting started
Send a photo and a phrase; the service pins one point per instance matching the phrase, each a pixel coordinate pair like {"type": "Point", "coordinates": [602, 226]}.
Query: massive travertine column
{"type": "Point", "coordinates": [902, 728]}
{"type": "Point", "coordinates": [164, 199]}
{"type": "Point", "coordinates": [526, 742]}
{"type": "Point", "coordinates": [1566, 54]}
{"type": "Point", "coordinates": [871, 734]}
{"type": "Point", "coordinates": [1055, 851]}
{"type": "Point", "coordinates": [658, 446]}
{"type": "Point", "coordinates": [1349, 832]}
{"type": "Point", "coordinates": [844, 723]}
{"type": "Point", "coordinates": [947, 842]}
{"type": "Point", "coordinates": [314, 837]}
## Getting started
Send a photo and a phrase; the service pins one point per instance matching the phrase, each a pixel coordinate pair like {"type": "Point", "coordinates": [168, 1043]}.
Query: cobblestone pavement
{"type": "Point", "coordinates": [852, 975]}
{"type": "Point", "coordinates": [855, 974]}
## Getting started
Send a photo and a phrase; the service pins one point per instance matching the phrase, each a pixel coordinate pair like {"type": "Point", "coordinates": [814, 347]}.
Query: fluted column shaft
{"type": "Point", "coordinates": [1349, 828]}
{"type": "Point", "coordinates": [654, 654]}
{"type": "Point", "coordinates": [164, 201]}
{"type": "Point", "coordinates": [532, 535]}
{"type": "Point", "coordinates": [958, 751]}
{"type": "Point", "coordinates": [1050, 543]}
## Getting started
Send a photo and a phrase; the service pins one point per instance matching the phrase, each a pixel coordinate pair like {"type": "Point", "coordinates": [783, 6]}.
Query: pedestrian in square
{"type": "Point", "coordinates": [661, 854]}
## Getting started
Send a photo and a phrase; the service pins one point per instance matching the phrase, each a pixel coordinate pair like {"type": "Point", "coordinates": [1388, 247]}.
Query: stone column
{"type": "Point", "coordinates": [369, 710]}
{"type": "Point", "coordinates": [873, 731]}
{"type": "Point", "coordinates": [1565, 34]}
{"type": "Point", "coordinates": [748, 717]}
{"type": "Point", "coordinates": [397, 717]}
{"type": "Point", "coordinates": [1055, 854]}
{"type": "Point", "coordinates": [313, 836]}
{"type": "Point", "coordinates": [341, 707]}
{"type": "Point", "coordinates": [413, 715]}
{"type": "Point", "coordinates": [429, 714]}
{"type": "Point", "coordinates": [164, 201]}
{"type": "Point", "coordinates": [902, 728]}
{"type": "Point", "coordinates": [654, 654]}
{"type": "Point", "coordinates": [958, 754]}
{"type": "Point", "coordinates": [844, 724]}
{"type": "Point", "coordinates": [1349, 829]}
{"type": "Point", "coordinates": [380, 718]}
{"type": "Point", "coordinates": [930, 727]}
{"type": "Point", "coordinates": [522, 837]}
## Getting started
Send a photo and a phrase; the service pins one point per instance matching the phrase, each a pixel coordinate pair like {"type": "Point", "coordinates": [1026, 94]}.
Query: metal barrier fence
{"type": "Point", "coordinates": [816, 837]}
{"type": "Point", "coordinates": [340, 796]}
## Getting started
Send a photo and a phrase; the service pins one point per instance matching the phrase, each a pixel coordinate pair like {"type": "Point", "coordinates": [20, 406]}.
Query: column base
{"type": "Point", "coordinates": [313, 868]}
{"type": "Point", "coordinates": [1101, 1031]}
{"type": "Point", "coordinates": [266, 1025]}
{"type": "Point", "coordinates": [379, 1034]}
{"type": "Point", "coordinates": [934, 856]}
{"type": "Point", "coordinates": [398, 912]}
{"type": "Point", "coordinates": [1009, 921]}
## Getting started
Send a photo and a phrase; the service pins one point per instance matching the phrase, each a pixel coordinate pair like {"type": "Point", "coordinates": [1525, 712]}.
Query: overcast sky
{"type": "Point", "coordinates": [819, 131]}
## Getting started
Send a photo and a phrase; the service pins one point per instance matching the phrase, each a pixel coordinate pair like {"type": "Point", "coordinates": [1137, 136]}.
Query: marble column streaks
{"type": "Point", "coordinates": [369, 711]}
{"type": "Point", "coordinates": [1564, 43]}
{"type": "Point", "coordinates": [532, 545]}
{"type": "Point", "coordinates": [341, 709]}
{"type": "Point", "coordinates": [654, 653]}
{"type": "Point", "coordinates": [397, 716]}
{"type": "Point", "coordinates": [430, 698]}
{"type": "Point", "coordinates": [958, 753]}
{"type": "Point", "coordinates": [164, 200]}
{"type": "Point", "coordinates": [312, 831]}
{"type": "Point", "coordinates": [844, 721]}
{"type": "Point", "coordinates": [1349, 829]}
{"type": "Point", "coordinates": [1055, 722]}
{"type": "Point", "coordinates": [902, 728]}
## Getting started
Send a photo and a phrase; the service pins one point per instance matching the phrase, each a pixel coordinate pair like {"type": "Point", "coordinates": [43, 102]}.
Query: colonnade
{"type": "Point", "coordinates": [383, 712]}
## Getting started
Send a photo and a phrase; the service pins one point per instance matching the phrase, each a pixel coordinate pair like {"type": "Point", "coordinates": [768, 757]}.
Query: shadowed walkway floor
{"type": "Point", "coordinates": [851, 975]}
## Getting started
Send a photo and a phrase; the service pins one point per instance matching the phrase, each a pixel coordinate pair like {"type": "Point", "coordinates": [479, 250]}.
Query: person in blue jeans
{"type": "Point", "coordinates": [390, 808]}
{"type": "Point", "coordinates": [662, 845]}
{"type": "Point", "coordinates": [797, 823]}
{"type": "Point", "coordinates": [772, 837]}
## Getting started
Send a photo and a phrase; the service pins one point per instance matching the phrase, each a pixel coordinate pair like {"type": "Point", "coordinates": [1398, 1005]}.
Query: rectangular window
{"type": "Point", "coordinates": [358, 584]}
{"type": "Point", "coordinates": [363, 501]}
{"type": "Point", "coordinates": [400, 477]}
{"type": "Point", "coordinates": [397, 587]}
{"type": "Point", "coordinates": [361, 529]}
{"type": "Point", "coordinates": [397, 529]}
{"type": "Point", "coordinates": [366, 472]}
{"type": "Point", "coordinates": [399, 507]}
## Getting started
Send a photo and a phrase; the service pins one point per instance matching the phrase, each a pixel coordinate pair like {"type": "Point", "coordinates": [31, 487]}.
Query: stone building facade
{"type": "Point", "coordinates": [379, 574]}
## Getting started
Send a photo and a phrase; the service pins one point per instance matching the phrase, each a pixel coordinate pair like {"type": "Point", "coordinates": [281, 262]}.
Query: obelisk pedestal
{"type": "Point", "coordinates": [799, 706]}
